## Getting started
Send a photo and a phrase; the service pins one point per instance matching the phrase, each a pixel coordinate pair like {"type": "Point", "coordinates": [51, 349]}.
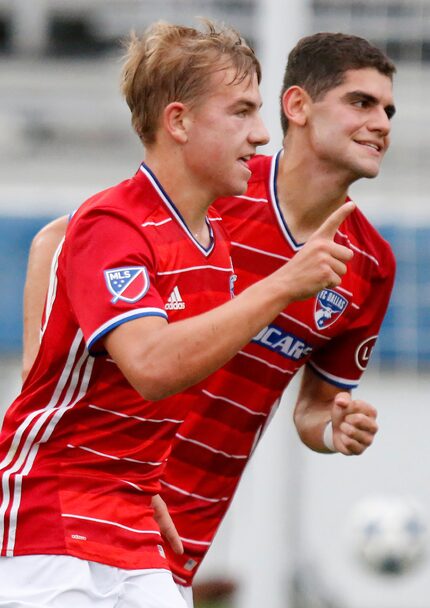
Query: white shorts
{"type": "Point", "coordinates": [187, 594]}
{"type": "Point", "coordinates": [62, 581]}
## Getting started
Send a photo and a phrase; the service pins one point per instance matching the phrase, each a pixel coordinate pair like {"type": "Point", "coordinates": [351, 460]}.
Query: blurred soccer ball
{"type": "Point", "coordinates": [389, 534]}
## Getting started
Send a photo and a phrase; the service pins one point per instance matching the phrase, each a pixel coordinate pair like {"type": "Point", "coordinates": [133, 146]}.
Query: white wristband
{"type": "Point", "coordinates": [328, 437]}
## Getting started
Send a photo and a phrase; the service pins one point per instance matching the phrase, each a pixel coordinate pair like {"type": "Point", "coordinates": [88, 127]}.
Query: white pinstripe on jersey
{"type": "Point", "coordinates": [234, 403]}
{"type": "Point", "coordinates": [264, 362]}
{"type": "Point", "coordinates": [193, 494]}
{"type": "Point", "coordinates": [140, 418]}
{"type": "Point", "coordinates": [207, 267]}
{"type": "Point", "coordinates": [20, 461]}
{"type": "Point", "coordinates": [205, 446]}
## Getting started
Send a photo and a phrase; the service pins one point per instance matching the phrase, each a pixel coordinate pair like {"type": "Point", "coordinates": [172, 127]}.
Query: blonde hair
{"type": "Point", "coordinates": [175, 63]}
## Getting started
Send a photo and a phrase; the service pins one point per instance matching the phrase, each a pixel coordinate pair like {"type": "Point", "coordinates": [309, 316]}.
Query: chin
{"type": "Point", "coordinates": [367, 172]}
{"type": "Point", "coordinates": [371, 174]}
{"type": "Point", "coordinates": [236, 189]}
{"type": "Point", "coordinates": [242, 189]}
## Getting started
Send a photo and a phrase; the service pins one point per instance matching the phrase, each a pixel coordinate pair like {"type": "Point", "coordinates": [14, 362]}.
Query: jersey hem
{"type": "Point", "coordinates": [180, 580]}
{"type": "Point", "coordinates": [340, 382]}
{"type": "Point", "coordinates": [89, 556]}
{"type": "Point", "coordinates": [119, 320]}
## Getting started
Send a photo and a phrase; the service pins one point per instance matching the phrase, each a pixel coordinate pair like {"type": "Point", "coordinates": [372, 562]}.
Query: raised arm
{"type": "Point", "coordinates": [160, 359]}
{"type": "Point", "coordinates": [42, 250]}
{"type": "Point", "coordinates": [352, 422]}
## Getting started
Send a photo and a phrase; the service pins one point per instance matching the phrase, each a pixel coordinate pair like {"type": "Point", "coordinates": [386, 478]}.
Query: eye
{"type": "Point", "coordinates": [361, 103]}
{"type": "Point", "coordinates": [242, 112]}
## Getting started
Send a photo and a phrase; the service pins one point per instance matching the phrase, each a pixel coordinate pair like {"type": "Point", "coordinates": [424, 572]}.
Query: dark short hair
{"type": "Point", "coordinates": [318, 63]}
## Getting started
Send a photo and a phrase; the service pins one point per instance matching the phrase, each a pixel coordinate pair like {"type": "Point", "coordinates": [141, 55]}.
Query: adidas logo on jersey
{"type": "Point", "coordinates": [175, 302]}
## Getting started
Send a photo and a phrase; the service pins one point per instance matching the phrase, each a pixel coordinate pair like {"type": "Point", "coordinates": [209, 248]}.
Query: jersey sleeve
{"type": "Point", "coordinates": [110, 274]}
{"type": "Point", "coordinates": [344, 359]}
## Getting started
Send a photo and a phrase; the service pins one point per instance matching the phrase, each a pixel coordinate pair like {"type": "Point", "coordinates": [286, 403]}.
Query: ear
{"type": "Point", "coordinates": [295, 105]}
{"type": "Point", "coordinates": [174, 121]}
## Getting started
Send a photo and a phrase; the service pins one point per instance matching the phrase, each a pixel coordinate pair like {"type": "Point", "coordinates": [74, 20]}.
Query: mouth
{"type": "Point", "coordinates": [243, 160]}
{"type": "Point", "coordinates": [379, 148]}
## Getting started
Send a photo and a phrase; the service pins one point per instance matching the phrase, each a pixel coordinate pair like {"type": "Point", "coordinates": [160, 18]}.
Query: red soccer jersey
{"type": "Point", "coordinates": [333, 333]}
{"type": "Point", "coordinates": [81, 452]}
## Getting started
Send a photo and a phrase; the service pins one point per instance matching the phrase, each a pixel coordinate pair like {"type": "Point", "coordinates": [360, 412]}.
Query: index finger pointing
{"type": "Point", "coordinates": [329, 228]}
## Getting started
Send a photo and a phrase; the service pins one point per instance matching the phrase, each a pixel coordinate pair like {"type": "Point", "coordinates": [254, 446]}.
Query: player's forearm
{"type": "Point", "coordinates": [311, 418]}
{"type": "Point", "coordinates": [313, 410]}
{"type": "Point", "coordinates": [194, 348]}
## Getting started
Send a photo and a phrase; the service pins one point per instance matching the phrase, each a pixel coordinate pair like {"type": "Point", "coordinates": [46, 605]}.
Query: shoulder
{"type": "Point", "coordinates": [126, 201]}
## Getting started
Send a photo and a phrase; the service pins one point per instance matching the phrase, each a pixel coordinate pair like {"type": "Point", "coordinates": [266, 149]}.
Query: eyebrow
{"type": "Point", "coordinates": [390, 109]}
{"type": "Point", "coordinates": [250, 105]}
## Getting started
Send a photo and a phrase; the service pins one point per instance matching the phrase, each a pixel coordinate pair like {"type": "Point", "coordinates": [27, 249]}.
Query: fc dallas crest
{"type": "Point", "coordinates": [329, 306]}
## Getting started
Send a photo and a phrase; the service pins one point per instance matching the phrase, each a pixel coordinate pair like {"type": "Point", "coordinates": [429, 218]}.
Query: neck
{"type": "Point", "coordinates": [307, 193]}
{"type": "Point", "coordinates": [190, 198]}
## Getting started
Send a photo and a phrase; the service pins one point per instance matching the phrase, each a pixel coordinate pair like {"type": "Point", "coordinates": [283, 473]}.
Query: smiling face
{"type": "Point", "coordinates": [349, 127]}
{"type": "Point", "coordinates": [224, 130]}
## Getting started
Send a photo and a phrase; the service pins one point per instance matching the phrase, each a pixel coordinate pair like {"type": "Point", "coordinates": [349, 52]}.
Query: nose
{"type": "Point", "coordinates": [259, 135]}
{"type": "Point", "coordinates": [380, 122]}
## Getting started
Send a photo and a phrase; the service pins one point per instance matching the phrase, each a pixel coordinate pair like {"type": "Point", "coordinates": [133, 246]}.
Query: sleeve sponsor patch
{"type": "Point", "coordinates": [363, 352]}
{"type": "Point", "coordinates": [128, 284]}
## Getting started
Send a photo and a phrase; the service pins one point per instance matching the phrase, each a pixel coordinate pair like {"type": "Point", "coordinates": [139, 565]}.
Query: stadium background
{"type": "Point", "coordinates": [64, 134]}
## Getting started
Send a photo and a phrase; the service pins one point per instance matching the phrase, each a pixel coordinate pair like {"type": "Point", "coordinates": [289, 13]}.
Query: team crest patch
{"type": "Point", "coordinates": [128, 284]}
{"type": "Point", "coordinates": [329, 305]}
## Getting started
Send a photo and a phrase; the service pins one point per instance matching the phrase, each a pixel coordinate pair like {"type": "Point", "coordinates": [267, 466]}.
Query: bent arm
{"type": "Point", "coordinates": [160, 359]}
{"type": "Point", "coordinates": [319, 403]}
{"type": "Point", "coordinates": [42, 250]}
